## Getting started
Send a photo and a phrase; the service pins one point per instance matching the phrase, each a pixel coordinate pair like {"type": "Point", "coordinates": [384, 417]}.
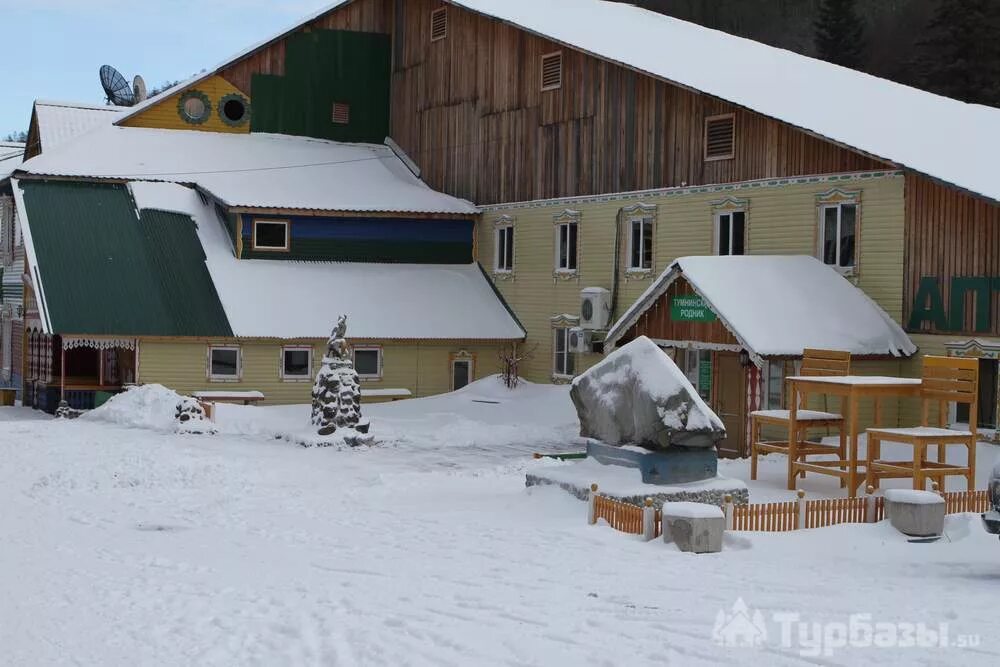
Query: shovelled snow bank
{"type": "Point", "coordinates": [151, 406]}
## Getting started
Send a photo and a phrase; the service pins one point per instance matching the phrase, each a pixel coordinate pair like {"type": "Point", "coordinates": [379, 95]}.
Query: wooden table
{"type": "Point", "coordinates": [851, 389]}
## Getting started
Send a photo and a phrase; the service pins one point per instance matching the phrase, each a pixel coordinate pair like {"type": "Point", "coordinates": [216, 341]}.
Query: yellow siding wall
{"type": "Point", "coordinates": [164, 114]}
{"type": "Point", "coordinates": [782, 218]}
{"type": "Point", "coordinates": [423, 368]}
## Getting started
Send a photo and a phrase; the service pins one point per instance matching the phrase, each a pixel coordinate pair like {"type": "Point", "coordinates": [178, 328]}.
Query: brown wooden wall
{"type": "Point", "coordinates": [656, 323]}
{"type": "Point", "coordinates": [470, 111]}
{"type": "Point", "coordinates": [950, 234]}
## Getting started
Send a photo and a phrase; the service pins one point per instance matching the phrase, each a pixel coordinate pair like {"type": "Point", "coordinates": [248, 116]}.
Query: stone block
{"type": "Point", "coordinates": [914, 512]}
{"type": "Point", "coordinates": [694, 527]}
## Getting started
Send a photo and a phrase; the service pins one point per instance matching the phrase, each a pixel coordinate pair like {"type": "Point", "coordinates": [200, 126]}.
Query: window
{"type": "Point", "coordinates": [439, 24]}
{"type": "Point", "coordinates": [270, 235]}
{"type": "Point", "coordinates": [730, 233]}
{"type": "Point", "coordinates": [552, 71]}
{"type": "Point", "coordinates": [838, 227]}
{"type": "Point", "coordinates": [720, 137]}
{"type": "Point", "coordinates": [224, 363]}
{"type": "Point", "coordinates": [505, 248]}
{"type": "Point", "coordinates": [368, 362]}
{"type": "Point", "coordinates": [234, 110]}
{"type": "Point", "coordinates": [194, 107]}
{"type": "Point", "coordinates": [566, 246]}
{"type": "Point", "coordinates": [564, 362]}
{"type": "Point", "coordinates": [341, 113]}
{"type": "Point", "coordinates": [640, 244]}
{"type": "Point", "coordinates": [775, 384]}
{"type": "Point", "coordinates": [697, 365]}
{"type": "Point", "coordinates": [296, 363]}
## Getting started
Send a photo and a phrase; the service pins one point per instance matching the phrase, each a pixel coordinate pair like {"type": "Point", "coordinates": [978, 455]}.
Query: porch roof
{"type": "Point", "coordinates": [777, 306]}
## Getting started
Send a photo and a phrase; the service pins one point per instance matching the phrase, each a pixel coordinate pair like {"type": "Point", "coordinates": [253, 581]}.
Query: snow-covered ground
{"type": "Point", "coordinates": [127, 545]}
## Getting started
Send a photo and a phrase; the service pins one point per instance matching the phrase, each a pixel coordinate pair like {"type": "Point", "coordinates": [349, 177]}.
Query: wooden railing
{"type": "Point", "coordinates": [773, 517]}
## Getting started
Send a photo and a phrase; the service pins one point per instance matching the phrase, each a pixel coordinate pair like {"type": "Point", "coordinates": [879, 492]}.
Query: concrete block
{"type": "Point", "coordinates": [916, 513]}
{"type": "Point", "coordinates": [694, 527]}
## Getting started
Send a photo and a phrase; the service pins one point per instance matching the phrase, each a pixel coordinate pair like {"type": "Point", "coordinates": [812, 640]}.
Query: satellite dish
{"type": "Point", "coordinates": [138, 89]}
{"type": "Point", "coordinates": [116, 87]}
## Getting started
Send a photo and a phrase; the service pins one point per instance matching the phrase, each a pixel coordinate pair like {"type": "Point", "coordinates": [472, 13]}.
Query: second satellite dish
{"type": "Point", "coordinates": [138, 89]}
{"type": "Point", "coordinates": [118, 91]}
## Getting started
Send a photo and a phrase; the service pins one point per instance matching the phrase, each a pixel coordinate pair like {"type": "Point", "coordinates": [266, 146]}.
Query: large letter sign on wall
{"type": "Point", "coordinates": [929, 304]}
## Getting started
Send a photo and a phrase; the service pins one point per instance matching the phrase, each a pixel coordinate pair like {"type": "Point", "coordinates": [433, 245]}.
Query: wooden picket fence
{"type": "Point", "coordinates": [775, 517]}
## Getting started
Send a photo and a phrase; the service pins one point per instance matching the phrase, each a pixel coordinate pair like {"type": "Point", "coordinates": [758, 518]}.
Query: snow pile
{"type": "Point", "coordinates": [913, 497]}
{"type": "Point", "coordinates": [690, 510]}
{"type": "Point", "coordinates": [637, 394]}
{"type": "Point", "coordinates": [150, 406]}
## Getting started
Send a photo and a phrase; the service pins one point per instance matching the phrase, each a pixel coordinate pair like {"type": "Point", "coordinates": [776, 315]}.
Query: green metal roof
{"type": "Point", "coordinates": [106, 269]}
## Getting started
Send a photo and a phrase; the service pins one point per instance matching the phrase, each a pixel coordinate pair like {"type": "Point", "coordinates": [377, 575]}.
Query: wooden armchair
{"type": "Point", "coordinates": [815, 363]}
{"type": "Point", "coordinates": [944, 380]}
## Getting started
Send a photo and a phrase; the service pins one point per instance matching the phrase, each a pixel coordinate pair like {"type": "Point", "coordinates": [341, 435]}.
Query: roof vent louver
{"type": "Point", "coordinates": [341, 113]}
{"type": "Point", "coordinates": [552, 71]}
{"type": "Point", "coordinates": [720, 137]}
{"type": "Point", "coordinates": [439, 24]}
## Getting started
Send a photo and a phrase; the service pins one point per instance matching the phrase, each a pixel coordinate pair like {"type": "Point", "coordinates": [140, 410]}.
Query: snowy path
{"type": "Point", "coordinates": [125, 546]}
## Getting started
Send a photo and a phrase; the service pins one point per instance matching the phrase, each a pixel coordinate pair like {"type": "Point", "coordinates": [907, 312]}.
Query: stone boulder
{"type": "Point", "coordinates": [694, 527]}
{"type": "Point", "coordinates": [914, 512]}
{"type": "Point", "coordinates": [637, 395]}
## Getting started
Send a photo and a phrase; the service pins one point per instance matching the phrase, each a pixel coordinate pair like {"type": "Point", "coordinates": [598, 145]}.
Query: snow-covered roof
{"type": "Point", "coordinates": [780, 305]}
{"type": "Point", "coordinates": [938, 136]}
{"type": "Point", "coordinates": [11, 154]}
{"type": "Point", "coordinates": [253, 170]}
{"type": "Point", "coordinates": [59, 122]}
{"type": "Point", "coordinates": [291, 299]}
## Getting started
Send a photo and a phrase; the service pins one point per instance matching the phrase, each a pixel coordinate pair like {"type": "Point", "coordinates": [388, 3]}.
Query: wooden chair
{"type": "Point", "coordinates": [944, 380]}
{"type": "Point", "coordinates": [815, 363]}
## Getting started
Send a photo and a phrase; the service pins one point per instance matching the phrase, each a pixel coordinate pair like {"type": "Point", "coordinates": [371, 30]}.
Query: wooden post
{"type": "Point", "coordinates": [728, 509]}
{"type": "Point", "coordinates": [870, 504]}
{"type": "Point", "coordinates": [592, 505]}
{"type": "Point", "coordinates": [800, 507]}
{"type": "Point", "coordinates": [100, 367]}
{"type": "Point", "coordinates": [62, 372]}
{"type": "Point", "coordinates": [648, 521]}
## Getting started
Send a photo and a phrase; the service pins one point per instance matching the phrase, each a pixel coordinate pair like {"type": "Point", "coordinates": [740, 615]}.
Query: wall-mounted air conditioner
{"type": "Point", "coordinates": [595, 308]}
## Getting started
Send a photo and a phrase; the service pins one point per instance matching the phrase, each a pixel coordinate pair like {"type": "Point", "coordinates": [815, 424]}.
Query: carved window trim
{"type": "Point", "coordinates": [504, 270]}
{"type": "Point", "coordinates": [634, 213]}
{"type": "Point", "coordinates": [566, 218]}
{"type": "Point", "coordinates": [462, 356]}
{"type": "Point", "coordinates": [561, 325]}
{"type": "Point", "coordinates": [729, 206]}
{"type": "Point", "coordinates": [836, 198]}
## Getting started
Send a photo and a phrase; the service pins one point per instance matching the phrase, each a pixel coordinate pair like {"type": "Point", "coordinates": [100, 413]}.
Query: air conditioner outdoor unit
{"type": "Point", "coordinates": [595, 308]}
{"type": "Point", "coordinates": [579, 340]}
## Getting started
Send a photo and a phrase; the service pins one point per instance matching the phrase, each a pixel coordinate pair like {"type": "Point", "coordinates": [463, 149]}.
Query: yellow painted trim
{"type": "Point", "coordinates": [164, 114]}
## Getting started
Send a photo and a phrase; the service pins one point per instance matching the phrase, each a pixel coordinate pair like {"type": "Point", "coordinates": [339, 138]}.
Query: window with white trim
{"type": "Point", "coordinates": [640, 243]}
{"type": "Point", "coordinates": [461, 372]}
{"type": "Point", "coordinates": [563, 359]}
{"type": "Point", "coordinates": [225, 363]}
{"type": "Point", "coordinates": [270, 235]}
{"type": "Point", "coordinates": [730, 233]}
{"type": "Point", "coordinates": [296, 363]}
{"type": "Point", "coordinates": [838, 226]}
{"type": "Point", "coordinates": [567, 245]}
{"type": "Point", "coordinates": [368, 362]}
{"type": "Point", "coordinates": [504, 257]}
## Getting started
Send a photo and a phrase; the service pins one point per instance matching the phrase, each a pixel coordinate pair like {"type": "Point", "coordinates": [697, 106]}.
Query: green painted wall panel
{"type": "Point", "coordinates": [323, 67]}
{"type": "Point", "coordinates": [369, 251]}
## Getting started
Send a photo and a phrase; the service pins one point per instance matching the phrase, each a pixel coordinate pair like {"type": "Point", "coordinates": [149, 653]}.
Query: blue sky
{"type": "Point", "coordinates": [52, 49]}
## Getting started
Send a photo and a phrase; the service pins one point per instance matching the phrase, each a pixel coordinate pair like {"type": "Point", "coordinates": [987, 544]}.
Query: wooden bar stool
{"type": "Point", "coordinates": [815, 363]}
{"type": "Point", "coordinates": [944, 380]}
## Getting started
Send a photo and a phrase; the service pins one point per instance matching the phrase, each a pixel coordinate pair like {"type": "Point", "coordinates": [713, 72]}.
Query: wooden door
{"type": "Point", "coordinates": [729, 403]}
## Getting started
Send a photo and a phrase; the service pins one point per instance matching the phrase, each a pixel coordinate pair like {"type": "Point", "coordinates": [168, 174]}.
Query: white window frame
{"type": "Point", "coordinates": [651, 221]}
{"type": "Point", "coordinates": [308, 377]}
{"type": "Point", "coordinates": [768, 385]}
{"type": "Point", "coordinates": [568, 225]}
{"type": "Point", "coordinates": [821, 228]}
{"type": "Point", "coordinates": [567, 354]}
{"type": "Point", "coordinates": [718, 230]}
{"type": "Point", "coordinates": [368, 348]}
{"type": "Point", "coordinates": [501, 229]}
{"type": "Point", "coordinates": [239, 364]}
{"type": "Point", "coordinates": [267, 248]}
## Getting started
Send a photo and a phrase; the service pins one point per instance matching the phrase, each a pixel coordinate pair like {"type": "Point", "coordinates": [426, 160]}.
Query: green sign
{"type": "Point", "coordinates": [930, 307]}
{"type": "Point", "coordinates": [690, 309]}
{"type": "Point", "coordinates": [705, 376]}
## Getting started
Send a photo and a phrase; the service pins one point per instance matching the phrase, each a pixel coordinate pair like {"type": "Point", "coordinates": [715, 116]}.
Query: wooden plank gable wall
{"type": "Point", "coordinates": [655, 322]}
{"type": "Point", "coordinates": [470, 111]}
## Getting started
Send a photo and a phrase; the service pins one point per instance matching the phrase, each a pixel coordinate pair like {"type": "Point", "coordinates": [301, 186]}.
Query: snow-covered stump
{"type": "Point", "coordinates": [190, 418]}
{"type": "Point", "coordinates": [694, 527]}
{"type": "Point", "coordinates": [915, 513]}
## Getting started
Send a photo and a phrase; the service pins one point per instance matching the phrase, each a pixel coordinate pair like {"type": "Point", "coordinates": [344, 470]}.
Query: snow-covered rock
{"type": "Point", "coordinates": [638, 395]}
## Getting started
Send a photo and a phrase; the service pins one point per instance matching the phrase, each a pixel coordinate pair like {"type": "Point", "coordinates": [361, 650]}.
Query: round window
{"type": "Point", "coordinates": [194, 107]}
{"type": "Point", "coordinates": [234, 110]}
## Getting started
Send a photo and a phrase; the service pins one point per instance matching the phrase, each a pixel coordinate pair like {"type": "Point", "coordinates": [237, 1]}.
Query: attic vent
{"type": "Point", "coordinates": [341, 113]}
{"type": "Point", "coordinates": [439, 24]}
{"type": "Point", "coordinates": [720, 133]}
{"type": "Point", "coordinates": [552, 70]}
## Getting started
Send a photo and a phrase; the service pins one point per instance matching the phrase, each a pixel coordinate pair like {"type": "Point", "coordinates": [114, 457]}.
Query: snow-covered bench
{"type": "Point", "coordinates": [242, 397]}
{"type": "Point", "coordinates": [385, 394]}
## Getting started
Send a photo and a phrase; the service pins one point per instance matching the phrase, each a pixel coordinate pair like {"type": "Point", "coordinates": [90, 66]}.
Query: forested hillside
{"type": "Point", "coordinates": [951, 47]}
